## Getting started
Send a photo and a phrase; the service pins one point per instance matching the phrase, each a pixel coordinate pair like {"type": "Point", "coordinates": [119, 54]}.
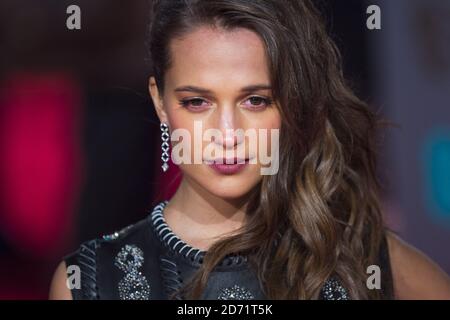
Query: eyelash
{"type": "Point", "coordinates": [185, 103]}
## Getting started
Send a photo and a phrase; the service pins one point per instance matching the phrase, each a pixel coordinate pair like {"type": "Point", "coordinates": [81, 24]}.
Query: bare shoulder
{"type": "Point", "coordinates": [415, 275]}
{"type": "Point", "coordinates": [58, 287]}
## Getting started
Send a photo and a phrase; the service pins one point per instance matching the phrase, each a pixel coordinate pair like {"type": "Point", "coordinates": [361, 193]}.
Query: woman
{"type": "Point", "coordinates": [310, 227]}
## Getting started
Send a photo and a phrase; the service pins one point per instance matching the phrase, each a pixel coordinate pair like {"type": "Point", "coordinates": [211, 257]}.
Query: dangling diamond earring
{"type": "Point", "coordinates": [164, 145]}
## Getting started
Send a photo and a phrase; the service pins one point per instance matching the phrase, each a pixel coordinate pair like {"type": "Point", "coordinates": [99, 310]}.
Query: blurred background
{"type": "Point", "coordinates": [80, 143]}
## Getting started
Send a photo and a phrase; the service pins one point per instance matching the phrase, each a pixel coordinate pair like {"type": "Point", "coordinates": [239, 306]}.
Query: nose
{"type": "Point", "coordinates": [227, 123]}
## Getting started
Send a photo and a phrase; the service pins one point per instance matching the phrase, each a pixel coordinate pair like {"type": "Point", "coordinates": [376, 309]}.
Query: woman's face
{"type": "Point", "coordinates": [219, 80]}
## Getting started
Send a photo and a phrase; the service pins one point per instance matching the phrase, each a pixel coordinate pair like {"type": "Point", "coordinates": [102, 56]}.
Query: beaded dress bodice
{"type": "Point", "coordinates": [147, 261]}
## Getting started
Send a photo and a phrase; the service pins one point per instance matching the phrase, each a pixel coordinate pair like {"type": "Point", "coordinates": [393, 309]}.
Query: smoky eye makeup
{"type": "Point", "coordinates": [258, 102]}
{"type": "Point", "coordinates": [254, 102]}
{"type": "Point", "coordinates": [194, 104]}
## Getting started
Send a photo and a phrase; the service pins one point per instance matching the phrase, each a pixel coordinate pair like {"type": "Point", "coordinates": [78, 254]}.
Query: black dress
{"type": "Point", "coordinates": [146, 260]}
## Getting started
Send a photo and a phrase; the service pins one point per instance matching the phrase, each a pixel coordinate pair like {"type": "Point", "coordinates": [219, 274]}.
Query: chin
{"type": "Point", "coordinates": [229, 194]}
{"type": "Point", "coordinates": [230, 188]}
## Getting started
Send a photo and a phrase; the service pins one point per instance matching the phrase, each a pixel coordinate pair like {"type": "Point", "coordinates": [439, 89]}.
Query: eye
{"type": "Point", "coordinates": [194, 104]}
{"type": "Point", "coordinates": [257, 103]}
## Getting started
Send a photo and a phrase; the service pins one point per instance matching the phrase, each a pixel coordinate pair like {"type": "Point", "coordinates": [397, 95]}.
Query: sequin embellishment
{"type": "Point", "coordinates": [235, 293]}
{"type": "Point", "coordinates": [333, 290]}
{"type": "Point", "coordinates": [110, 237]}
{"type": "Point", "coordinates": [134, 286]}
{"type": "Point", "coordinates": [117, 234]}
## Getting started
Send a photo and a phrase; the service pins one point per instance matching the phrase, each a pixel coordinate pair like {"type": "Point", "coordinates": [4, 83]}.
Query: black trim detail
{"type": "Point", "coordinates": [178, 246]}
{"type": "Point", "coordinates": [171, 276]}
{"type": "Point", "coordinates": [86, 259]}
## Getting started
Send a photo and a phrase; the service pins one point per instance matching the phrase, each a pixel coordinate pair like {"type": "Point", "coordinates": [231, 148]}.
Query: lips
{"type": "Point", "coordinates": [228, 166]}
{"type": "Point", "coordinates": [229, 161]}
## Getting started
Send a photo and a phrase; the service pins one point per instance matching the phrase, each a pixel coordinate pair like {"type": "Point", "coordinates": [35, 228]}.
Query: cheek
{"type": "Point", "coordinates": [176, 117]}
{"type": "Point", "coordinates": [268, 119]}
{"type": "Point", "coordinates": [178, 120]}
{"type": "Point", "coordinates": [269, 123]}
{"type": "Point", "coordinates": [268, 141]}
{"type": "Point", "coordinates": [274, 119]}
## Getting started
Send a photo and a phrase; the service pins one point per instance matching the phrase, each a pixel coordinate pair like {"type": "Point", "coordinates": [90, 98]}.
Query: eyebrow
{"type": "Point", "coordinates": [250, 88]}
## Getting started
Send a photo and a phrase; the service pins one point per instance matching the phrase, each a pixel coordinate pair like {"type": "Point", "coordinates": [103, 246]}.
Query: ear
{"type": "Point", "coordinates": [157, 100]}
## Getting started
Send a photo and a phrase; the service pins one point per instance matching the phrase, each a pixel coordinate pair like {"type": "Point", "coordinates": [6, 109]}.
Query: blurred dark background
{"type": "Point", "coordinates": [79, 140]}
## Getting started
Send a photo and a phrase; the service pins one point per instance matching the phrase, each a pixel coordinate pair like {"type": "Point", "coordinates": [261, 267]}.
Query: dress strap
{"type": "Point", "coordinates": [387, 283]}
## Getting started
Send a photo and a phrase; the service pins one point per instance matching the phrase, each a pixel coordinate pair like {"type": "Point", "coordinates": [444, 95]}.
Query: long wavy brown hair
{"type": "Point", "coordinates": [319, 216]}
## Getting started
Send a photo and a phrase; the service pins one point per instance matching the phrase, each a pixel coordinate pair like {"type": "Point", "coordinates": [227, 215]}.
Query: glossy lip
{"type": "Point", "coordinates": [229, 161]}
{"type": "Point", "coordinates": [221, 166]}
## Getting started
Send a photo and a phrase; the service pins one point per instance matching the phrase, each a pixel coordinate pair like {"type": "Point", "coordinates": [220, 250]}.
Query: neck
{"type": "Point", "coordinates": [200, 218]}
